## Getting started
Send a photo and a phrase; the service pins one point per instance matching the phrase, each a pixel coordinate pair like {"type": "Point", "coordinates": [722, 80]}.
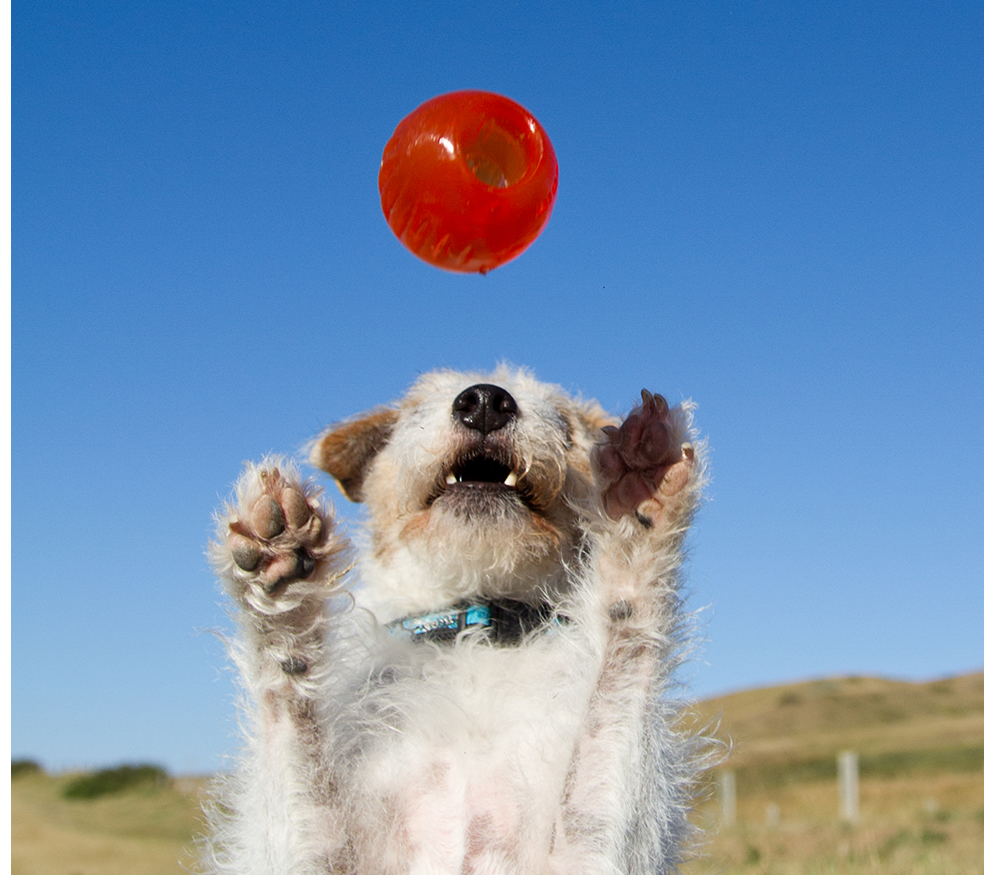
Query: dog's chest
{"type": "Point", "coordinates": [479, 743]}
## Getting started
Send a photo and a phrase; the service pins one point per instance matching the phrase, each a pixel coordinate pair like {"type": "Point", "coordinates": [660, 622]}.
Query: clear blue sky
{"type": "Point", "coordinates": [773, 208]}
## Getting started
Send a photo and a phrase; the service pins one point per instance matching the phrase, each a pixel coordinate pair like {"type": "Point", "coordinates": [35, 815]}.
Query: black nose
{"type": "Point", "coordinates": [484, 407]}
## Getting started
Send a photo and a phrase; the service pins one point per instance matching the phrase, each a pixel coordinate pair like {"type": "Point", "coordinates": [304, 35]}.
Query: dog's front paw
{"type": "Point", "coordinates": [644, 462]}
{"type": "Point", "coordinates": [277, 533]}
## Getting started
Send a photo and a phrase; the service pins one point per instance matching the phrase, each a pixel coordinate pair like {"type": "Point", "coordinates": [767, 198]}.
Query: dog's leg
{"type": "Point", "coordinates": [631, 772]}
{"type": "Point", "coordinates": [280, 558]}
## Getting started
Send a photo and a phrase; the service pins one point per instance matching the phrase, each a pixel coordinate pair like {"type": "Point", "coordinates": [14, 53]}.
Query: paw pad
{"type": "Point", "coordinates": [640, 460]}
{"type": "Point", "coordinates": [276, 534]}
{"type": "Point", "coordinates": [246, 552]}
{"type": "Point", "coordinates": [266, 518]}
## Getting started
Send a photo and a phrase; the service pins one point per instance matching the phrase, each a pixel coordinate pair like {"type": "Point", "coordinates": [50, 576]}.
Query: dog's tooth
{"type": "Point", "coordinates": [511, 480]}
{"type": "Point", "coordinates": [451, 479]}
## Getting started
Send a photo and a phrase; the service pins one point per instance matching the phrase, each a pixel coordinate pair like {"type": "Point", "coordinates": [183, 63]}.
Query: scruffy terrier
{"type": "Point", "coordinates": [482, 689]}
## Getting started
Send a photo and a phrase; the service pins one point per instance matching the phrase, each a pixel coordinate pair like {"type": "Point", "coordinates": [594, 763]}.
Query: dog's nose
{"type": "Point", "coordinates": [484, 407]}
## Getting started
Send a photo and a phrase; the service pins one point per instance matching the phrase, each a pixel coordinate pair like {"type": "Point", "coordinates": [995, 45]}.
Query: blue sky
{"type": "Point", "coordinates": [772, 208]}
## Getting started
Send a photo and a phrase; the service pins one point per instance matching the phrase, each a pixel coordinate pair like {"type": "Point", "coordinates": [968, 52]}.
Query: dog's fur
{"type": "Point", "coordinates": [374, 754]}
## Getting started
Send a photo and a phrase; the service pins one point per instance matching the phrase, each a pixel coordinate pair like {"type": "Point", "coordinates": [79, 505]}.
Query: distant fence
{"type": "Point", "coordinates": [847, 785]}
{"type": "Point", "coordinates": [886, 764]}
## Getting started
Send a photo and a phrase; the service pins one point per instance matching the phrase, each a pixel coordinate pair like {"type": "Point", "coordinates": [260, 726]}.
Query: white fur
{"type": "Point", "coordinates": [372, 754]}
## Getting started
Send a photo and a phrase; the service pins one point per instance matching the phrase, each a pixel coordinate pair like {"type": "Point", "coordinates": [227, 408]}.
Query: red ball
{"type": "Point", "coordinates": [468, 181]}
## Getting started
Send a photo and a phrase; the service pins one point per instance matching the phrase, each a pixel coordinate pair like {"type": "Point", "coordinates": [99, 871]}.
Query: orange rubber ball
{"type": "Point", "coordinates": [468, 181]}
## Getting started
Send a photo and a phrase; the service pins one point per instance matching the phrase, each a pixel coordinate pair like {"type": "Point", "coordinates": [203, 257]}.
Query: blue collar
{"type": "Point", "coordinates": [504, 621]}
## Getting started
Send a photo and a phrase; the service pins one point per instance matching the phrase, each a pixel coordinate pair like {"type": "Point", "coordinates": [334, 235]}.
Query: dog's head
{"type": "Point", "coordinates": [472, 483]}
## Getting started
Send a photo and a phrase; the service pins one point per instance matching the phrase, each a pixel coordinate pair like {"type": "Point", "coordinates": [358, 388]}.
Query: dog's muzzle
{"type": "Point", "coordinates": [485, 471]}
{"type": "Point", "coordinates": [484, 408]}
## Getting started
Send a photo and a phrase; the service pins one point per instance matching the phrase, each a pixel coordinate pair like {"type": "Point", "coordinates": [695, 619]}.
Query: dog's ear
{"type": "Point", "coordinates": [347, 449]}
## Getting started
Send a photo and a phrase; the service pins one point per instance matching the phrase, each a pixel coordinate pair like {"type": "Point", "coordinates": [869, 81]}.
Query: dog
{"type": "Point", "coordinates": [483, 686]}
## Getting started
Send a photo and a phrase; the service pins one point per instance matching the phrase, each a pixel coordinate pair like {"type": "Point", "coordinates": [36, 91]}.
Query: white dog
{"type": "Point", "coordinates": [480, 690]}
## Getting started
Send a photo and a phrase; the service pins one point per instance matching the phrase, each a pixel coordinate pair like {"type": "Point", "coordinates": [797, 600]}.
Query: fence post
{"type": "Point", "coordinates": [773, 815]}
{"type": "Point", "coordinates": [727, 788]}
{"type": "Point", "coordinates": [847, 781]}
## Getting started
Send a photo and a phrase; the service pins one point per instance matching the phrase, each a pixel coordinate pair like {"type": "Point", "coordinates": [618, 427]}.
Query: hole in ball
{"type": "Point", "coordinates": [496, 157]}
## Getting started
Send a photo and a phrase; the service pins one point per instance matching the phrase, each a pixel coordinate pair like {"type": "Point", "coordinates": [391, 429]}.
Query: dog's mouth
{"type": "Point", "coordinates": [481, 473]}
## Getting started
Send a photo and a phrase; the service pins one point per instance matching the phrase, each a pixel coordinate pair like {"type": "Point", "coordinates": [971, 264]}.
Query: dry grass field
{"type": "Point", "coordinates": [142, 831]}
{"type": "Point", "coordinates": [920, 750]}
{"type": "Point", "coordinates": [921, 791]}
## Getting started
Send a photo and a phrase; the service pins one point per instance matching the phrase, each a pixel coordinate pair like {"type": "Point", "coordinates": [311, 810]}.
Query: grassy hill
{"type": "Point", "coordinates": [921, 765]}
{"type": "Point", "coordinates": [143, 830]}
{"type": "Point", "coordinates": [920, 750]}
{"type": "Point", "coordinates": [896, 727]}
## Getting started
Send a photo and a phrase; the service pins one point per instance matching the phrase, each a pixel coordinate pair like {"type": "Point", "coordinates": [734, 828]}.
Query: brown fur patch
{"type": "Point", "coordinates": [347, 449]}
{"type": "Point", "coordinates": [415, 527]}
{"type": "Point", "coordinates": [547, 529]}
{"type": "Point", "coordinates": [484, 840]}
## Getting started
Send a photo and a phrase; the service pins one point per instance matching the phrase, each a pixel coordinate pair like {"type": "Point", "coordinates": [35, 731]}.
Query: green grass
{"type": "Point", "coordinates": [20, 768]}
{"type": "Point", "coordinates": [927, 761]}
{"type": "Point", "coordinates": [110, 781]}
